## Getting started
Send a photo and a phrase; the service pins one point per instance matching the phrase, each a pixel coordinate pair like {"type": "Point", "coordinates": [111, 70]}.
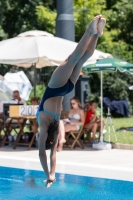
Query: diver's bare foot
{"type": "Point", "coordinates": [100, 26]}
{"type": "Point", "coordinates": [92, 28]}
{"type": "Point", "coordinates": [50, 181]}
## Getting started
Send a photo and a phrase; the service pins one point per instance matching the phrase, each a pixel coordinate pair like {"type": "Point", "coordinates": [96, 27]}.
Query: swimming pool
{"type": "Point", "coordinates": [23, 184]}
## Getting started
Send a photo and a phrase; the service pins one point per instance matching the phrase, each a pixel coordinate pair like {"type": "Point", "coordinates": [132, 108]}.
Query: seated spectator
{"type": "Point", "coordinates": [92, 122]}
{"type": "Point", "coordinates": [33, 126]}
{"type": "Point", "coordinates": [75, 120]}
{"type": "Point", "coordinates": [76, 116]}
{"type": "Point", "coordinates": [34, 101]}
{"type": "Point", "coordinates": [86, 106]}
{"type": "Point", "coordinates": [17, 98]}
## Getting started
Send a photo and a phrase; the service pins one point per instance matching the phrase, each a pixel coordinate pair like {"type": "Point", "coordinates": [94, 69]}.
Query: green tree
{"type": "Point", "coordinates": [84, 12]}
{"type": "Point", "coordinates": [39, 91]}
{"type": "Point", "coordinates": [118, 36]}
{"type": "Point", "coordinates": [23, 15]}
{"type": "Point", "coordinates": [46, 19]}
{"type": "Point", "coordinates": [117, 40]}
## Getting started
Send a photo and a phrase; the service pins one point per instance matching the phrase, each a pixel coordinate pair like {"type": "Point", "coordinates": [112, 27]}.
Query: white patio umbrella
{"type": "Point", "coordinates": [14, 81]}
{"type": "Point", "coordinates": [40, 49]}
{"type": "Point", "coordinates": [5, 96]}
{"type": "Point", "coordinates": [18, 81]}
{"type": "Point", "coordinates": [34, 47]}
{"type": "Point", "coordinates": [5, 91]}
{"type": "Point", "coordinates": [35, 33]}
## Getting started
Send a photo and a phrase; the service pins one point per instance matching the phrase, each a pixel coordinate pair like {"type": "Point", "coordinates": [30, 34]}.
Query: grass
{"type": "Point", "coordinates": [122, 137]}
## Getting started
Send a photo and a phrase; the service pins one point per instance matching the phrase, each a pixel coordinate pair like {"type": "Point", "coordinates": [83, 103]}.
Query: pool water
{"type": "Point", "coordinates": [23, 184]}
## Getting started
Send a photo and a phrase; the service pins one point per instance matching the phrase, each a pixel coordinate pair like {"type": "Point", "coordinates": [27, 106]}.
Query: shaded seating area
{"type": "Point", "coordinates": [23, 138]}
{"type": "Point", "coordinates": [12, 130]}
{"type": "Point", "coordinates": [2, 128]}
{"type": "Point", "coordinates": [7, 126]}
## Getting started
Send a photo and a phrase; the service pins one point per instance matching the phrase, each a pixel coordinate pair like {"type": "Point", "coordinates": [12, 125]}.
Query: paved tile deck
{"type": "Point", "coordinates": [114, 164]}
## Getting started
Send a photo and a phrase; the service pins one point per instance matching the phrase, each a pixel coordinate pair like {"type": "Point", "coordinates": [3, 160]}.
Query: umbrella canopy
{"type": "Point", "coordinates": [14, 81]}
{"type": "Point", "coordinates": [18, 81]}
{"type": "Point", "coordinates": [35, 48]}
{"type": "Point", "coordinates": [5, 96]}
{"type": "Point", "coordinates": [5, 91]}
{"type": "Point", "coordinates": [109, 64]}
{"type": "Point", "coordinates": [35, 33]}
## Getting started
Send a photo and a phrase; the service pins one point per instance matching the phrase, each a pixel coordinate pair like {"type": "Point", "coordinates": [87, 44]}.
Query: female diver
{"type": "Point", "coordinates": [62, 82]}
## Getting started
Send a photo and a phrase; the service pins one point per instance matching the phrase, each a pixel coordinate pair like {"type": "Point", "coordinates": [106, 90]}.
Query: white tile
{"type": "Point", "coordinates": [112, 164]}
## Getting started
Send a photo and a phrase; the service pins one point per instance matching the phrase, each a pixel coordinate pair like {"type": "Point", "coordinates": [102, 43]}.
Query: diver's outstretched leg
{"type": "Point", "coordinates": [64, 71]}
{"type": "Point", "coordinates": [89, 51]}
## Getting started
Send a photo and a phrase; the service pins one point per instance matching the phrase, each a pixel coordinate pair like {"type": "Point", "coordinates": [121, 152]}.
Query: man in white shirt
{"type": "Point", "coordinates": [17, 98]}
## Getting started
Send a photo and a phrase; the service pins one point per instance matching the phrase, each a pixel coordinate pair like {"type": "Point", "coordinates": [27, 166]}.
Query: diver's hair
{"type": "Point", "coordinates": [78, 101]}
{"type": "Point", "coordinates": [53, 130]}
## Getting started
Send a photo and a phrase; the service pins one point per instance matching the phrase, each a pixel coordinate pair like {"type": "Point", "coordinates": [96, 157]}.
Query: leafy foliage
{"type": "Point", "coordinates": [39, 92]}
{"type": "Point", "coordinates": [20, 16]}
{"type": "Point", "coordinates": [46, 19]}
{"type": "Point", "coordinates": [24, 15]}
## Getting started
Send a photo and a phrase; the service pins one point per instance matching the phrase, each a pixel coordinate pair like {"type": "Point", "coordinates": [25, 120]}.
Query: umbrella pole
{"type": "Point", "coordinates": [35, 78]}
{"type": "Point", "coordinates": [101, 73]}
{"type": "Point", "coordinates": [102, 145]}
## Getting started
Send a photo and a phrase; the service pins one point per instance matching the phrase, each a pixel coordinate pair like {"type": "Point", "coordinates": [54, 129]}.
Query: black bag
{"type": "Point", "coordinates": [53, 131]}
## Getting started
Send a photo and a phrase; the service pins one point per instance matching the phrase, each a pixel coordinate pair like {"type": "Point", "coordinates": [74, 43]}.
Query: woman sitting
{"type": "Point", "coordinates": [75, 119]}
{"type": "Point", "coordinates": [76, 116]}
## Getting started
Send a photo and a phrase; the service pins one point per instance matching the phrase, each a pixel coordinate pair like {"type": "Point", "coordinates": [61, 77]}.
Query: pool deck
{"type": "Point", "coordinates": [112, 164]}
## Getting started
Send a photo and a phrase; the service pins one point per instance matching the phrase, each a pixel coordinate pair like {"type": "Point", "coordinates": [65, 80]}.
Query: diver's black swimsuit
{"type": "Point", "coordinates": [54, 92]}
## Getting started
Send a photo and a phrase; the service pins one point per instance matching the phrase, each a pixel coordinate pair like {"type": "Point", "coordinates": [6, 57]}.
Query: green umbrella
{"type": "Point", "coordinates": [109, 64]}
